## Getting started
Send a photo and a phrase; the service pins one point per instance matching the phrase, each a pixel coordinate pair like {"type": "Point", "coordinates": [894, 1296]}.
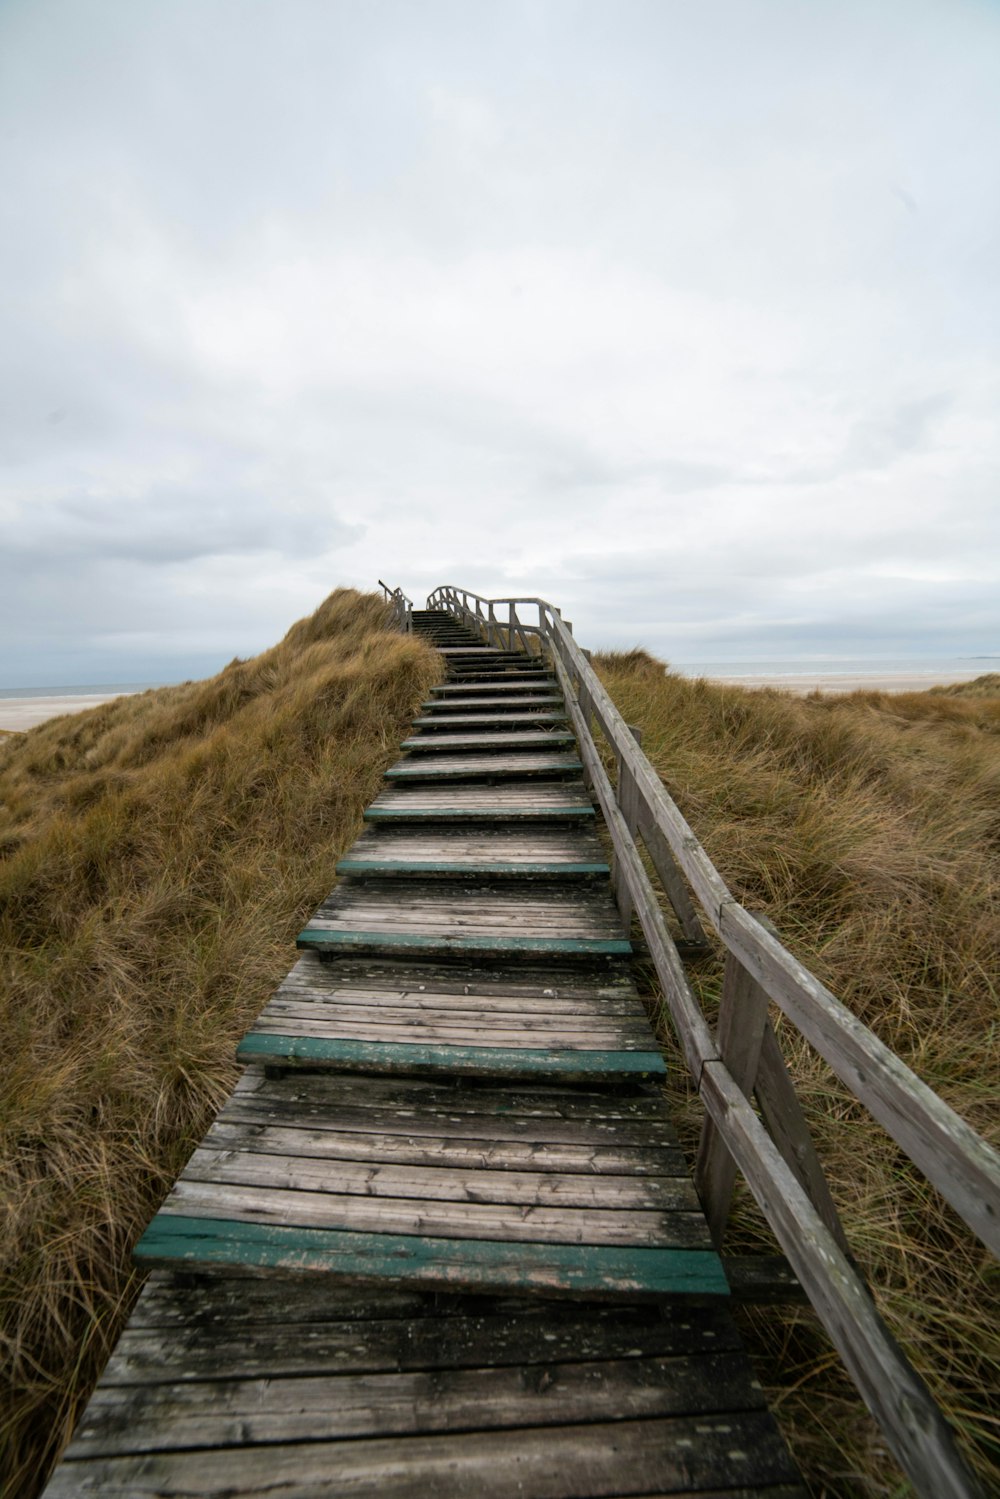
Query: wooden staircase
{"type": "Point", "coordinates": [441, 1239]}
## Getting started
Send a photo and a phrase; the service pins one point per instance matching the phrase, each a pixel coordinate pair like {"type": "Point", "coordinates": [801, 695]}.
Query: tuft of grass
{"type": "Point", "coordinates": [158, 855]}
{"type": "Point", "coordinates": [867, 827]}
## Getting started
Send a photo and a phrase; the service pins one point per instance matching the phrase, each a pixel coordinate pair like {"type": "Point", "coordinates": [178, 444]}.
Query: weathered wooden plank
{"type": "Point", "coordinates": [226, 1413]}
{"type": "Point", "coordinates": [502, 843]}
{"type": "Point", "coordinates": [489, 908]}
{"type": "Point", "coordinates": [491, 741]}
{"type": "Point", "coordinates": [524, 763]}
{"type": "Point", "coordinates": [515, 1266]}
{"type": "Point", "coordinates": [412, 811]}
{"type": "Point", "coordinates": [217, 1159]}
{"type": "Point", "coordinates": [660, 1454]}
{"type": "Point", "coordinates": [424, 1026]}
{"type": "Point", "coordinates": [503, 801]}
{"type": "Point", "coordinates": [350, 1115]}
{"type": "Point", "coordinates": [505, 715]}
{"type": "Point", "coordinates": [458, 1222]}
{"type": "Point", "coordinates": [473, 869]}
{"type": "Point", "coordinates": [476, 1029]}
{"type": "Point", "coordinates": [525, 1022]}
{"type": "Point", "coordinates": [189, 1326]}
{"type": "Point", "coordinates": [418, 1149]}
{"type": "Point", "coordinates": [321, 986]}
{"type": "Point", "coordinates": [324, 937]}
{"type": "Point", "coordinates": [505, 687]}
{"type": "Point", "coordinates": [567, 1062]}
{"type": "Point", "coordinates": [304, 1205]}
{"type": "Point", "coordinates": [586, 1108]}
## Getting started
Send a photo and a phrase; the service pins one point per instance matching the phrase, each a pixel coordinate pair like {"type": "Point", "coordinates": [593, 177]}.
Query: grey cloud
{"type": "Point", "coordinates": [629, 312]}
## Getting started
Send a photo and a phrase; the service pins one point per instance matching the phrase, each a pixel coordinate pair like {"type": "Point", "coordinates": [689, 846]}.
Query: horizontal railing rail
{"type": "Point", "coordinates": [402, 606]}
{"type": "Point", "coordinates": [743, 1059]}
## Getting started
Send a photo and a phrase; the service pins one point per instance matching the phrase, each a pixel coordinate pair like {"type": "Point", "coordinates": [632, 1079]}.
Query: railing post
{"type": "Point", "coordinates": [627, 797]}
{"type": "Point", "coordinates": [786, 1124]}
{"type": "Point", "coordinates": [587, 710]}
{"type": "Point", "coordinates": [740, 1036]}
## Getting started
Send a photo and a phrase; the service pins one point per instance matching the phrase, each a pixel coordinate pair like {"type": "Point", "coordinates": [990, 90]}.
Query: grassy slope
{"type": "Point", "coordinates": [157, 856]}
{"type": "Point", "coordinates": [868, 828]}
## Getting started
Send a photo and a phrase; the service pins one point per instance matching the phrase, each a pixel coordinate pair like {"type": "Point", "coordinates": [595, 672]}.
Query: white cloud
{"type": "Point", "coordinates": [686, 317]}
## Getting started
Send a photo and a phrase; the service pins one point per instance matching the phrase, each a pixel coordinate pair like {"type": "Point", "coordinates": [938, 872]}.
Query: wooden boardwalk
{"type": "Point", "coordinates": [441, 1239]}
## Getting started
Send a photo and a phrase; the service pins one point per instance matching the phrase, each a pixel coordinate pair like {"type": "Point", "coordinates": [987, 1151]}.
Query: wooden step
{"type": "Point", "coordinates": [517, 766]}
{"type": "Point", "coordinates": [519, 853]}
{"type": "Point", "coordinates": [536, 802]}
{"type": "Point", "coordinates": [503, 717]}
{"type": "Point", "coordinates": [552, 702]}
{"type": "Point", "coordinates": [495, 687]}
{"type": "Point", "coordinates": [489, 740]}
{"type": "Point", "coordinates": [487, 917]}
{"type": "Point", "coordinates": [279, 1192]}
{"type": "Point", "coordinates": [290, 1384]}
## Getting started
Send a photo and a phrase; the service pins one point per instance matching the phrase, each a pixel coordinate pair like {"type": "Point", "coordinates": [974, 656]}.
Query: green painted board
{"type": "Point", "coordinates": [488, 1264]}
{"type": "Point", "coordinates": [430, 866]}
{"type": "Point", "coordinates": [475, 814]}
{"type": "Point", "coordinates": [417, 942]}
{"type": "Point", "coordinates": [501, 1060]}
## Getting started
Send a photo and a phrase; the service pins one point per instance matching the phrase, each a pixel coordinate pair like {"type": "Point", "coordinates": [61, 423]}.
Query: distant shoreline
{"type": "Point", "coordinates": [801, 683]}
{"type": "Point", "coordinates": [20, 713]}
{"type": "Point", "coordinates": [25, 712]}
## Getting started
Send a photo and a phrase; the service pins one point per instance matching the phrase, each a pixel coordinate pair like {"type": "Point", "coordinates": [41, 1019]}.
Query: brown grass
{"type": "Point", "coordinates": [867, 826]}
{"type": "Point", "coordinates": [157, 856]}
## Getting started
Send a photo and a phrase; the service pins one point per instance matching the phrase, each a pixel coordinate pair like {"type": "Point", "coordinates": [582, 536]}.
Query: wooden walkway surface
{"type": "Point", "coordinates": [441, 1240]}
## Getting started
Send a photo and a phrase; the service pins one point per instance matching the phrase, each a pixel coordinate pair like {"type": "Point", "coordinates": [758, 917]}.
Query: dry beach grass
{"type": "Point", "coordinates": [158, 855]}
{"type": "Point", "coordinates": [867, 827]}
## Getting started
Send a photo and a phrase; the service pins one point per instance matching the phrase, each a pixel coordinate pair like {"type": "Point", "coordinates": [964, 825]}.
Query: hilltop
{"type": "Point", "coordinates": [157, 856]}
{"type": "Point", "coordinates": [159, 853]}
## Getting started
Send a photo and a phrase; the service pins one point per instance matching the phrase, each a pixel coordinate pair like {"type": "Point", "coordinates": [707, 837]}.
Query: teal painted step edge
{"type": "Point", "coordinates": [571, 946]}
{"type": "Point", "coordinates": [267, 1046]}
{"type": "Point", "coordinates": [424, 866]}
{"type": "Point", "coordinates": [475, 814]}
{"type": "Point", "coordinates": [573, 1269]}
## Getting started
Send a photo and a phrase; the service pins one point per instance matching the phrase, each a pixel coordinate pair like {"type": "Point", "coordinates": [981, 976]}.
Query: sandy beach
{"type": "Point", "coordinates": [901, 681]}
{"type": "Point", "coordinates": [19, 713]}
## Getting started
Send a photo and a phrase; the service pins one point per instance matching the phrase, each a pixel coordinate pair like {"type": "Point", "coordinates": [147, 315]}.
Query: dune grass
{"type": "Point", "coordinates": [867, 827]}
{"type": "Point", "coordinates": [157, 856]}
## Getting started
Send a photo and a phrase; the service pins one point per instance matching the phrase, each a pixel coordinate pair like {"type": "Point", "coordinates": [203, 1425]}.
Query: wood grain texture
{"type": "Point", "coordinates": [298, 1349]}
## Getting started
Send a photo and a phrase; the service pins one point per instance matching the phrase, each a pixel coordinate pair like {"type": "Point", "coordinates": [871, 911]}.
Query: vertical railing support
{"type": "Point", "coordinates": [740, 1036]}
{"type": "Point", "coordinates": [627, 797]}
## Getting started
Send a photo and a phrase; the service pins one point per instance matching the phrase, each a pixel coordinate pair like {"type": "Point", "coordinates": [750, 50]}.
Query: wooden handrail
{"type": "Point", "coordinates": [780, 1167]}
{"type": "Point", "coordinates": [401, 605]}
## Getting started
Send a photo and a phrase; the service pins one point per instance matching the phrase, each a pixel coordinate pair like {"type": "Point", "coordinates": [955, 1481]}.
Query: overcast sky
{"type": "Point", "coordinates": [682, 313]}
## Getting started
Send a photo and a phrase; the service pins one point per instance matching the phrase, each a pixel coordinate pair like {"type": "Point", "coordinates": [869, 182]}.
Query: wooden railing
{"type": "Point", "coordinates": [743, 1058]}
{"type": "Point", "coordinates": [401, 605]}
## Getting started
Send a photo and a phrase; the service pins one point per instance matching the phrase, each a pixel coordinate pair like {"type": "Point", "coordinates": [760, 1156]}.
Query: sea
{"type": "Point", "coordinates": [951, 668]}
